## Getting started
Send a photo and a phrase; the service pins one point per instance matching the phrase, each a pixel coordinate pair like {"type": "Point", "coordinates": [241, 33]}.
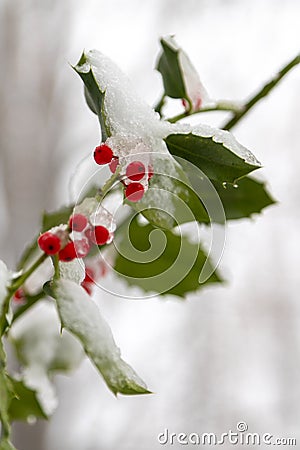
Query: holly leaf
{"type": "Point", "coordinates": [179, 195]}
{"type": "Point", "coordinates": [6, 396]}
{"type": "Point", "coordinates": [81, 317]}
{"type": "Point", "coordinates": [249, 196]}
{"type": "Point", "coordinates": [169, 67]}
{"type": "Point", "coordinates": [37, 331]}
{"type": "Point", "coordinates": [93, 94]}
{"type": "Point", "coordinates": [161, 261]}
{"type": "Point", "coordinates": [170, 199]}
{"type": "Point", "coordinates": [217, 154]}
{"type": "Point", "coordinates": [5, 444]}
{"type": "Point", "coordinates": [180, 78]}
{"type": "Point", "coordinates": [25, 403]}
{"type": "Point", "coordinates": [28, 253]}
{"type": "Point", "coordinates": [6, 389]}
{"type": "Point", "coordinates": [224, 201]}
{"type": "Point", "coordinates": [52, 219]}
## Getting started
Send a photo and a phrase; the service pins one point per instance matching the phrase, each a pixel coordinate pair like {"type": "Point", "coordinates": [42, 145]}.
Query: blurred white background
{"type": "Point", "coordinates": [229, 353]}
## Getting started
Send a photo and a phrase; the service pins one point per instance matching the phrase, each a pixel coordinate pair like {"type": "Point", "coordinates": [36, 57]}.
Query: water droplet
{"type": "Point", "coordinates": [31, 419]}
{"type": "Point", "coordinates": [235, 185]}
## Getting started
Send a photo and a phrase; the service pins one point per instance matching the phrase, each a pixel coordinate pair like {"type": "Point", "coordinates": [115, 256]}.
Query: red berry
{"type": "Point", "coordinates": [87, 287]}
{"type": "Point", "coordinates": [101, 235]}
{"type": "Point", "coordinates": [103, 154]}
{"type": "Point", "coordinates": [135, 171]}
{"type": "Point", "coordinates": [78, 222]}
{"type": "Point", "coordinates": [114, 164]}
{"type": "Point", "coordinates": [134, 192]}
{"type": "Point", "coordinates": [98, 235]}
{"type": "Point", "coordinates": [19, 295]}
{"type": "Point", "coordinates": [89, 275]}
{"type": "Point", "coordinates": [185, 104]}
{"type": "Point", "coordinates": [68, 253]}
{"type": "Point", "coordinates": [150, 172]}
{"type": "Point", "coordinates": [49, 243]}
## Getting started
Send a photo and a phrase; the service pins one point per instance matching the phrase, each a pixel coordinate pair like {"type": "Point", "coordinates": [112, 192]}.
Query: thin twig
{"type": "Point", "coordinates": [220, 106]}
{"type": "Point", "coordinates": [160, 104]}
{"type": "Point", "coordinates": [263, 92]}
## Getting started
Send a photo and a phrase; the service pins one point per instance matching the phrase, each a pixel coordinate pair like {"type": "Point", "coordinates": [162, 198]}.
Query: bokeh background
{"type": "Point", "coordinates": [230, 353]}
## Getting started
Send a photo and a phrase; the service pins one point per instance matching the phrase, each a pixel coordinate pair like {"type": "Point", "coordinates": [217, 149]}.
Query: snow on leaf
{"type": "Point", "coordinates": [228, 141]}
{"type": "Point", "coordinates": [126, 112]}
{"type": "Point", "coordinates": [81, 317]}
{"type": "Point", "coordinates": [73, 270]}
{"type": "Point", "coordinates": [87, 207]}
{"type": "Point", "coordinates": [216, 152]}
{"type": "Point", "coordinates": [133, 121]}
{"type": "Point", "coordinates": [25, 405]}
{"type": "Point", "coordinates": [41, 349]}
{"type": "Point", "coordinates": [193, 85]}
{"type": "Point", "coordinates": [135, 129]}
{"type": "Point", "coordinates": [37, 379]}
{"type": "Point", "coordinates": [181, 80]}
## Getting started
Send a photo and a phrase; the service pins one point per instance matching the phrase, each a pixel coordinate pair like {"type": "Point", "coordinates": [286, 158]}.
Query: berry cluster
{"type": "Point", "coordinates": [134, 175]}
{"type": "Point", "coordinates": [76, 239]}
{"type": "Point", "coordinates": [91, 224]}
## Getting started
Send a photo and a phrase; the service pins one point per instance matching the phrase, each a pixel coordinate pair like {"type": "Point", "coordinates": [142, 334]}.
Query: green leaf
{"type": "Point", "coordinates": [28, 253]}
{"type": "Point", "coordinates": [25, 403]}
{"type": "Point", "coordinates": [30, 301]}
{"type": "Point", "coordinates": [81, 317]}
{"type": "Point", "coordinates": [43, 350]}
{"type": "Point", "coordinates": [249, 196]}
{"type": "Point", "coordinates": [4, 280]}
{"type": "Point", "coordinates": [180, 78]}
{"type": "Point", "coordinates": [5, 444]}
{"type": "Point", "coordinates": [169, 67]}
{"type": "Point", "coordinates": [64, 352]}
{"type": "Point", "coordinates": [6, 389]}
{"type": "Point", "coordinates": [6, 396]}
{"type": "Point", "coordinates": [93, 94]}
{"type": "Point", "coordinates": [161, 261]}
{"type": "Point", "coordinates": [179, 195]}
{"type": "Point", "coordinates": [49, 220]}
{"type": "Point", "coordinates": [220, 157]}
{"type": "Point", "coordinates": [170, 199]}
{"type": "Point", "coordinates": [52, 219]}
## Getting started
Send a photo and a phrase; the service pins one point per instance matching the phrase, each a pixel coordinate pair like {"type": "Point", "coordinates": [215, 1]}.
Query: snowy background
{"type": "Point", "coordinates": [226, 355]}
